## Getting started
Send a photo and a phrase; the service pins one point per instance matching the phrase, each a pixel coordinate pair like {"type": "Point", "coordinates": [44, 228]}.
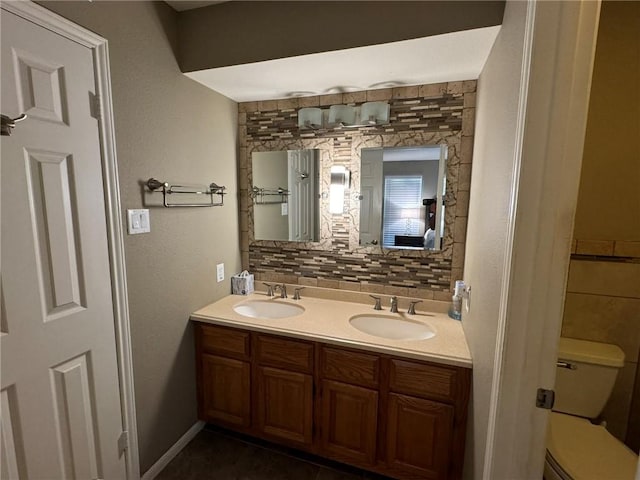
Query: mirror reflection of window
{"type": "Point", "coordinates": [402, 215]}
{"type": "Point", "coordinates": [402, 191]}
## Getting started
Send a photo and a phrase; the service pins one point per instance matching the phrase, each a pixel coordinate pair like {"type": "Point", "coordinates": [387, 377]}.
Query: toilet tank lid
{"type": "Point", "coordinates": [586, 351]}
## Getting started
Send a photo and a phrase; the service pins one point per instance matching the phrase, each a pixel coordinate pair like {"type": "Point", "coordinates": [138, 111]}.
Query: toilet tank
{"type": "Point", "coordinates": [584, 391]}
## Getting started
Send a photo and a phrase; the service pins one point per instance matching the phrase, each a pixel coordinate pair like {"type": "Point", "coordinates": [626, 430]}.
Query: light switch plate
{"type": "Point", "coordinates": [220, 272]}
{"type": "Point", "coordinates": [138, 221]}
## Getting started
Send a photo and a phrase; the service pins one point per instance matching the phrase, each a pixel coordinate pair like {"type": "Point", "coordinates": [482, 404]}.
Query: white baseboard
{"type": "Point", "coordinates": [175, 449]}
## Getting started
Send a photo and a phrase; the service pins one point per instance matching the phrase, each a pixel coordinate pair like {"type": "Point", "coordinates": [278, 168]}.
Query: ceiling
{"type": "Point", "coordinates": [182, 5]}
{"type": "Point", "coordinates": [439, 58]}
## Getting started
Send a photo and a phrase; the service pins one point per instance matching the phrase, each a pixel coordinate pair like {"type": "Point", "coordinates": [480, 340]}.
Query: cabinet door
{"type": "Point", "coordinates": [226, 390]}
{"type": "Point", "coordinates": [349, 422]}
{"type": "Point", "coordinates": [419, 436]}
{"type": "Point", "coordinates": [285, 405]}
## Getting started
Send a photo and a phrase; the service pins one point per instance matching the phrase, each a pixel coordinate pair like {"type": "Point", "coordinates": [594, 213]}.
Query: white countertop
{"type": "Point", "coordinates": [328, 321]}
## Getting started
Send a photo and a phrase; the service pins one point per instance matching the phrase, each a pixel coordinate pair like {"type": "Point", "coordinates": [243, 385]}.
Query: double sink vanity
{"type": "Point", "coordinates": [386, 392]}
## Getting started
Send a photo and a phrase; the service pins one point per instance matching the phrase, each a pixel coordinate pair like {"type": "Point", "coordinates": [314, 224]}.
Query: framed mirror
{"type": "Point", "coordinates": [340, 232]}
{"type": "Point", "coordinates": [286, 195]}
{"type": "Point", "coordinates": [401, 197]}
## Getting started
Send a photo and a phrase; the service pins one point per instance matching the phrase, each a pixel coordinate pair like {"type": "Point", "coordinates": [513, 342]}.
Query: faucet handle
{"type": "Point", "coordinates": [283, 290]}
{"type": "Point", "coordinates": [394, 304]}
{"type": "Point", "coordinates": [269, 289]}
{"type": "Point", "coordinates": [296, 293]}
{"type": "Point", "coordinates": [412, 306]}
{"type": "Point", "coordinates": [378, 305]}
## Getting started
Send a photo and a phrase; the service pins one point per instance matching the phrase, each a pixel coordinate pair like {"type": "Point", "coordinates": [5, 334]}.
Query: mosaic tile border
{"type": "Point", "coordinates": [420, 115]}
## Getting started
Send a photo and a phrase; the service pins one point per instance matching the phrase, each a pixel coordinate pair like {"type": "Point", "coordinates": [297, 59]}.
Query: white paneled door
{"type": "Point", "coordinates": [60, 398]}
{"type": "Point", "coordinates": [371, 199]}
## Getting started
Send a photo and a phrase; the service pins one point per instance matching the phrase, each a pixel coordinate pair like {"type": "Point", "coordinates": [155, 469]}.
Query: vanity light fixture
{"type": "Point", "coordinates": [339, 116]}
{"type": "Point", "coordinates": [342, 115]}
{"type": "Point", "coordinates": [310, 118]}
{"type": "Point", "coordinates": [374, 113]}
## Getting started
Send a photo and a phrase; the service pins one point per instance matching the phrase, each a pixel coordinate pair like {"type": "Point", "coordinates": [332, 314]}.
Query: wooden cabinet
{"type": "Point", "coordinates": [418, 436]}
{"type": "Point", "coordinates": [349, 422]}
{"type": "Point", "coordinates": [226, 391]}
{"type": "Point", "coordinates": [399, 417]}
{"type": "Point", "coordinates": [285, 405]}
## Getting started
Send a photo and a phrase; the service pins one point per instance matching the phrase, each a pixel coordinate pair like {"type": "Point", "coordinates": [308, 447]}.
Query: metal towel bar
{"type": "Point", "coordinates": [258, 195]}
{"type": "Point", "coordinates": [167, 189]}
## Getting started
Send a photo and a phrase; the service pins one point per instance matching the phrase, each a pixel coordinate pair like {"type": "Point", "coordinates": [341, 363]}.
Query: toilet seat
{"type": "Point", "coordinates": [584, 451]}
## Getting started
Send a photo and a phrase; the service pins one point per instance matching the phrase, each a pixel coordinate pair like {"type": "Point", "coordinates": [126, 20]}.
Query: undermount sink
{"type": "Point", "coordinates": [267, 309]}
{"type": "Point", "coordinates": [393, 328]}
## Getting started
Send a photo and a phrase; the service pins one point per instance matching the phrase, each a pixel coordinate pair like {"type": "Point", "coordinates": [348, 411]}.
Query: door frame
{"type": "Point", "coordinates": [99, 47]}
{"type": "Point", "coordinates": [560, 41]}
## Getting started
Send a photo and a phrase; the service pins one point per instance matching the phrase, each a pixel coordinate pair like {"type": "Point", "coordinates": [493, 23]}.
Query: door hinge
{"type": "Point", "coordinates": [95, 105]}
{"type": "Point", "coordinates": [123, 442]}
{"type": "Point", "coordinates": [545, 398]}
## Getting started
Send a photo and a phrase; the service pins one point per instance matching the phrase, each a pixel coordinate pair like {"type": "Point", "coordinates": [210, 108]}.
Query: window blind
{"type": "Point", "coordinates": [402, 207]}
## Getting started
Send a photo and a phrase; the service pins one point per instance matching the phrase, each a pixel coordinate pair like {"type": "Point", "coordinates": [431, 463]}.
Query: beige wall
{"type": "Point", "coordinates": [489, 204]}
{"type": "Point", "coordinates": [609, 200]}
{"type": "Point", "coordinates": [603, 297]}
{"type": "Point", "coordinates": [255, 31]}
{"type": "Point", "coordinates": [174, 129]}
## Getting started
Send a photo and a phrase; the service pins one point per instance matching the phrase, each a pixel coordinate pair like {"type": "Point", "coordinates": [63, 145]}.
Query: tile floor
{"type": "Point", "coordinates": [220, 455]}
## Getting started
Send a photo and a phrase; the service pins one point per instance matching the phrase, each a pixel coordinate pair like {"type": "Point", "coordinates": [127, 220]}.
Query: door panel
{"type": "Point", "coordinates": [12, 464]}
{"type": "Point", "coordinates": [419, 436]}
{"type": "Point", "coordinates": [285, 405]}
{"type": "Point", "coordinates": [75, 416]}
{"type": "Point", "coordinates": [349, 422]}
{"type": "Point", "coordinates": [55, 230]}
{"type": "Point", "coordinates": [371, 198]}
{"type": "Point", "coordinates": [226, 390]}
{"type": "Point", "coordinates": [59, 364]}
{"type": "Point", "coordinates": [302, 201]}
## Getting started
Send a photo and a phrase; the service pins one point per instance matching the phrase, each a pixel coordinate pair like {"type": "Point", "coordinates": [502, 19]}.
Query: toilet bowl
{"type": "Point", "coordinates": [579, 450]}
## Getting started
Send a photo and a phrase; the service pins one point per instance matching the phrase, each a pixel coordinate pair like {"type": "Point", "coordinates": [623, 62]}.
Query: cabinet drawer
{"type": "Point", "coordinates": [423, 380]}
{"type": "Point", "coordinates": [350, 367]}
{"type": "Point", "coordinates": [286, 353]}
{"type": "Point", "coordinates": [225, 341]}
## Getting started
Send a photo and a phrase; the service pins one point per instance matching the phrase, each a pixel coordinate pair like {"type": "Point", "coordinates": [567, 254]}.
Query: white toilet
{"type": "Point", "coordinates": [576, 448]}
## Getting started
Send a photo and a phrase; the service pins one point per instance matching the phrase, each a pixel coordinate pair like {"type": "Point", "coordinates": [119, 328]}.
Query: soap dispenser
{"type": "Point", "coordinates": [455, 311]}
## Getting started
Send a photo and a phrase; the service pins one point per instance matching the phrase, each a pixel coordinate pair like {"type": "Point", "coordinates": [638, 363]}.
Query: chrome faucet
{"type": "Point", "coordinates": [296, 293]}
{"type": "Point", "coordinates": [269, 289]}
{"type": "Point", "coordinates": [394, 304]}
{"type": "Point", "coordinates": [283, 290]}
{"type": "Point", "coordinates": [412, 306]}
{"type": "Point", "coordinates": [377, 306]}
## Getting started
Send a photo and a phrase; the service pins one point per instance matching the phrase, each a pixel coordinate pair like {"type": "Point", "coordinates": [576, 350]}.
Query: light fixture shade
{"type": "Point", "coordinates": [374, 113]}
{"type": "Point", "coordinates": [342, 114]}
{"type": "Point", "coordinates": [309, 118]}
